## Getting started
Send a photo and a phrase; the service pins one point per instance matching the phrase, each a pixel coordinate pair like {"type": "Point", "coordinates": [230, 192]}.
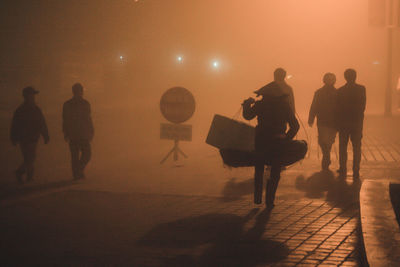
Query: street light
{"type": "Point", "coordinates": [215, 64]}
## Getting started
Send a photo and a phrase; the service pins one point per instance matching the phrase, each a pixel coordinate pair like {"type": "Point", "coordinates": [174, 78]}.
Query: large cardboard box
{"type": "Point", "coordinates": [226, 133]}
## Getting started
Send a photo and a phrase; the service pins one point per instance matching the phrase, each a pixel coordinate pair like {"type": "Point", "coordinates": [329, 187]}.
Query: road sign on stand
{"type": "Point", "coordinates": [177, 105]}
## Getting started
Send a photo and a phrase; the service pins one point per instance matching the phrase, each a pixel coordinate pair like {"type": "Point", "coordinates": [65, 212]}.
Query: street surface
{"type": "Point", "coordinates": [195, 212]}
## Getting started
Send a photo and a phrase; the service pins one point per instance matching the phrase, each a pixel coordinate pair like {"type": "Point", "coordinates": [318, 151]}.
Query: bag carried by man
{"type": "Point", "coordinates": [235, 141]}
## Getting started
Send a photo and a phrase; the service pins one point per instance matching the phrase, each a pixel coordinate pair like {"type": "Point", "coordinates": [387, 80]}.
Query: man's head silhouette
{"type": "Point", "coordinates": [350, 75]}
{"type": "Point", "coordinates": [77, 90]}
{"type": "Point", "coordinates": [279, 75]}
{"type": "Point", "coordinates": [329, 79]}
{"type": "Point", "coordinates": [29, 93]}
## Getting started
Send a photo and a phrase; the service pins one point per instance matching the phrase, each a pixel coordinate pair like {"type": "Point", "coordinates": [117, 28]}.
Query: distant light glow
{"type": "Point", "coordinates": [215, 64]}
{"type": "Point", "coordinates": [179, 58]}
{"type": "Point", "coordinates": [290, 76]}
{"type": "Point", "coordinates": [121, 57]}
{"type": "Point", "coordinates": [376, 62]}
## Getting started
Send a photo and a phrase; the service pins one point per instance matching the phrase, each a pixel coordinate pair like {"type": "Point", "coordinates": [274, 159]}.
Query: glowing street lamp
{"type": "Point", "coordinates": [215, 64]}
{"type": "Point", "coordinates": [179, 59]}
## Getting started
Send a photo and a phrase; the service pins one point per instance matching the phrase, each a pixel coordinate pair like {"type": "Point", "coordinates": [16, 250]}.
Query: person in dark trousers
{"type": "Point", "coordinates": [351, 100]}
{"type": "Point", "coordinates": [273, 113]}
{"type": "Point", "coordinates": [323, 107]}
{"type": "Point", "coordinates": [78, 130]}
{"type": "Point", "coordinates": [28, 124]}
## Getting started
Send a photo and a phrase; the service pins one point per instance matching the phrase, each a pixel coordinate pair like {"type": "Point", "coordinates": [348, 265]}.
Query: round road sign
{"type": "Point", "coordinates": [177, 105]}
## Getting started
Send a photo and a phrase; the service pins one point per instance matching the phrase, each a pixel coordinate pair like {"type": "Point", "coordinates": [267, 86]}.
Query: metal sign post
{"type": "Point", "coordinates": [177, 105]}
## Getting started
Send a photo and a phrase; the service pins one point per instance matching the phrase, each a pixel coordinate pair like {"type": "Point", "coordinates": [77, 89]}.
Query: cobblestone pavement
{"type": "Point", "coordinates": [91, 228]}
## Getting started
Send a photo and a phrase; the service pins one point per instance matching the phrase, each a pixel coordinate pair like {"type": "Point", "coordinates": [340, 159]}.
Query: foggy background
{"type": "Point", "coordinates": [125, 55]}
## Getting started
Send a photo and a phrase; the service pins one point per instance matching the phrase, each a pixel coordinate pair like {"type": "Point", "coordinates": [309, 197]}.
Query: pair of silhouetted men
{"type": "Point", "coordinates": [28, 124]}
{"type": "Point", "coordinates": [340, 110]}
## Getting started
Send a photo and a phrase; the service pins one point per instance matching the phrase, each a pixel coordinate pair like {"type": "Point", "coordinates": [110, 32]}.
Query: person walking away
{"type": "Point", "coordinates": [323, 107]}
{"type": "Point", "coordinates": [28, 124]}
{"type": "Point", "coordinates": [279, 78]}
{"type": "Point", "coordinates": [351, 101]}
{"type": "Point", "coordinates": [273, 114]}
{"type": "Point", "coordinates": [78, 130]}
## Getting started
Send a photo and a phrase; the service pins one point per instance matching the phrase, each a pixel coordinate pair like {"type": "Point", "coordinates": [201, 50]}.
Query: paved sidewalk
{"type": "Point", "coordinates": [198, 214]}
{"type": "Point", "coordinates": [78, 227]}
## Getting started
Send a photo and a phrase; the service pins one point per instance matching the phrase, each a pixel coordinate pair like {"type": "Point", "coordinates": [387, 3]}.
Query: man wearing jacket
{"type": "Point", "coordinates": [273, 113]}
{"type": "Point", "coordinates": [351, 100]}
{"type": "Point", "coordinates": [78, 130]}
{"type": "Point", "coordinates": [323, 107]}
{"type": "Point", "coordinates": [27, 125]}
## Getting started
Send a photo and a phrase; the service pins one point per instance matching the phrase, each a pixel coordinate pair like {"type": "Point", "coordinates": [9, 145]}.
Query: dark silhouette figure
{"type": "Point", "coordinates": [27, 125]}
{"type": "Point", "coordinates": [78, 130]}
{"type": "Point", "coordinates": [273, 114]}
{"type": "Point", "coordinates": [351, 100]}
{"type": "Point", "coordinates": [279, 78]}
{"type": "Point", "coordinates": [323, 107]}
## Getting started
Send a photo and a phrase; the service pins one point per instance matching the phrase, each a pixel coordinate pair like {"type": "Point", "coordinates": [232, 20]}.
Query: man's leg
{"type": "Point", "coordinates": [343, 140]}
{"type": "Point", "coordinates": [272, 185]}
{"type": "Point", "coordinates": [22, 168]}
{"type": "Point", "coordinates": [356, 136]}
{"type": "Point", "coordinates": [75, 164]}
{"type": "Point", "coordinates": [85, 156]}
{"type": "Point", "coordinates": [258, 182]}
{"type": "Point", "coordinates": [326, 156]}
{"type": "Point", "coordinates": [30, 160]}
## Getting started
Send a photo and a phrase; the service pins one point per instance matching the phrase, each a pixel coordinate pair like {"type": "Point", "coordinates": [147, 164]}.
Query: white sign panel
{"type": "Point", "coordinates": [180, 132]}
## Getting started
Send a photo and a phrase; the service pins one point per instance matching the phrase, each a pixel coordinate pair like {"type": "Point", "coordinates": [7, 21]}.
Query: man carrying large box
{"type": "Point", "coordinates": [273, 113]}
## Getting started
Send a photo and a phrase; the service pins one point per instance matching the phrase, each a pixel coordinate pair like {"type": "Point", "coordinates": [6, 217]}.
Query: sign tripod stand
{"type": "Point", "coordinates": [177, 105]}
{"type": "Point", "coordinates": [176, 150]}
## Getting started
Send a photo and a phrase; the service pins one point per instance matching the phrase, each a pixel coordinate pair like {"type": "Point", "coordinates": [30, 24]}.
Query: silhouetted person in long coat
{"type": "Point", "coordinates": [78, 130]}
{"type": "Point", "coordinates": [351, 100]}
{"type": "Point", "coordinates": [324, 107]}
{"type": "Point", "coordinates": [28, 124]}
{"type": "Point", "coordinates": [273, 114]}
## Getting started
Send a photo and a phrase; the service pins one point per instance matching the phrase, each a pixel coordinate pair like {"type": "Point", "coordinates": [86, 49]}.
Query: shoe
{"type": "Point", "coordinates": [269, 206]}
{"type": "Point", "coordinates": [18, 176]}
{"type": "Point", "coordinates": [342, 173]}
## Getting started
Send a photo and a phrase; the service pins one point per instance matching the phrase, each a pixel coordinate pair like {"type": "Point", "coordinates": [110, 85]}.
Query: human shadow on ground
{"type": "Point", "coordinates": [337, 190]}
{"type": "Point", "coordinates": [234, 190]}
{"type": "Point", "coordinates": [215, 240]}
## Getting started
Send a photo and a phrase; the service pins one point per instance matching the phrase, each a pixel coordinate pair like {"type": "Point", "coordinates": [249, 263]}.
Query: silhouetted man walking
{"type": "Point", "coordinates": [324, 107]}
{"type": "Point", "coordinates": [78, 130]}
{"type": "Point", "coordinates": [27, 125]}
{"type": "Point", "coordinates": [273, 114]}
{"type": "Point", "coordinates": [351, 100]}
